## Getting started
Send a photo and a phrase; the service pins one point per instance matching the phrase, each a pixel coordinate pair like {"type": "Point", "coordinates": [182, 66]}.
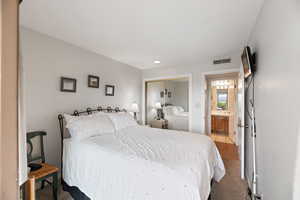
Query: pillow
{"type": "Point", "coordinates": [180, 109]}
{"type": "Point", "coordinates": [81, 127]}
{"type": "Point", "coordinates": [170, 110]}
{"type": "Point", "coordinates": [122, 120]}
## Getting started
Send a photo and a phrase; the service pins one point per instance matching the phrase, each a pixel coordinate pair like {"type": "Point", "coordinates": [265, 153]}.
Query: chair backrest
{"type": "Point", "coordinates": [35, 146]}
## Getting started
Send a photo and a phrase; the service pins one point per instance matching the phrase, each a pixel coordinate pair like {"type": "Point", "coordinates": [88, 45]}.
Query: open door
{"type": "Point", "coordinates": [241, 120]}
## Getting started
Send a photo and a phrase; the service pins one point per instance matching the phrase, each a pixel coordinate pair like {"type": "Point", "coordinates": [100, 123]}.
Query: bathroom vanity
{"type": "Point", "coordinates": [220, 123]}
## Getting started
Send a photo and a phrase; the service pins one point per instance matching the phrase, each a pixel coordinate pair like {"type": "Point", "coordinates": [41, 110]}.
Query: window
{"type": "Point", "coordinates": [222, 99]}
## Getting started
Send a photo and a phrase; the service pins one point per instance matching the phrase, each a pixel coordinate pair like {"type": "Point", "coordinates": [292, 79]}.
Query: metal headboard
{"type": "Point", "coordinates": [88, 111]}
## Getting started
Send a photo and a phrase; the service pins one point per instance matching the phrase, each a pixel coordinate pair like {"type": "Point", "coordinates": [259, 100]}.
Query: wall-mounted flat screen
{"type": "Point", "coordinates": [247, 61]}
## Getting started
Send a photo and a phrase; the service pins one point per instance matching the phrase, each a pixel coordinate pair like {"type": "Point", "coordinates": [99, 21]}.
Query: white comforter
{"type": "Point", "coordinates": [179, 121]}
{"type": "Point", "coordinates": [141, 163]}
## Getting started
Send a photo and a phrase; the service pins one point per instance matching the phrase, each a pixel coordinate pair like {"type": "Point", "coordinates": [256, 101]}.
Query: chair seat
{"type": "Point", "coordinates": [44, 171]}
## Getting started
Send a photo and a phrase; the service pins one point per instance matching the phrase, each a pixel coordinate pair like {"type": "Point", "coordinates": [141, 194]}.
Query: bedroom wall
{"type": "Point", "coordinates": [180, 96]}
{"type": "Point", "coordinates": [276, 41]}
{"type": "Point", "coordinates": [198, 84]}
{"type": "Point", "coordinates": [45, 60]}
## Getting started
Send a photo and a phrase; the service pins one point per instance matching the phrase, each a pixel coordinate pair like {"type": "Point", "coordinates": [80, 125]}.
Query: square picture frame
{"type": "Point", "coordinates": [109, 90]}
{"type": "Point", "coordinates": [162, 94]}
{"type": "Point", "coordinates": [93, 81]}
{"type": "Point", "coordinates": [67, 84]}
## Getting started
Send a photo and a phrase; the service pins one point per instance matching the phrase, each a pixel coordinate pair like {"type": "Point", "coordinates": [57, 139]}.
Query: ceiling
{"type": "Point", "coordinates": [138, 32]}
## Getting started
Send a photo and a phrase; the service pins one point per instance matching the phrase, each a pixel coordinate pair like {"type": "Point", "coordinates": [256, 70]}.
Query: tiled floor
{"type": "Point", "coordinates": [221, 138]}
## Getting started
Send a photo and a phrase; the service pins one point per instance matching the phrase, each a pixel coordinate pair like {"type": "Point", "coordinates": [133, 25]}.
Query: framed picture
{"type": "Point", "coordinates": [93, 81]}
{"type": "Point", "coordinates": [109, 90]}
{"type": "Point", "coordinates": [67, 84]}
{"type": "Point", "coordinates": [162, 94]}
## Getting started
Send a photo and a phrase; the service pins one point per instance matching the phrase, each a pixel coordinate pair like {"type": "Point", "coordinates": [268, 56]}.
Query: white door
{"type": "Point", "coordinates": [241, 120]}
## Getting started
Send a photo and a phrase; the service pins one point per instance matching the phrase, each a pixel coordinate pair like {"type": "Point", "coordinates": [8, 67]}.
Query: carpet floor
{"type": "Point", "coordinates": [231, 187]}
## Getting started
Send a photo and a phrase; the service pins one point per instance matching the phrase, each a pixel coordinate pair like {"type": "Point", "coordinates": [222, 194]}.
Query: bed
{"type": "Point", "coordinates": [177, 118]}
{"type": "Point", "coordinates": [136, 162]}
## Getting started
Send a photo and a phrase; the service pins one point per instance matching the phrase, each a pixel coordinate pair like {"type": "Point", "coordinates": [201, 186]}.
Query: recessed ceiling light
{"type": "Point", "coordinates": [157, 62]}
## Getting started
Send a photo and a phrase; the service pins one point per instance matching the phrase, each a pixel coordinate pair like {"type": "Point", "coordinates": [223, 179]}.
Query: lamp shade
{"type": "Point", "coordinates": [134, 107]}
{"type": "Point", "coordinates": [157, 105]}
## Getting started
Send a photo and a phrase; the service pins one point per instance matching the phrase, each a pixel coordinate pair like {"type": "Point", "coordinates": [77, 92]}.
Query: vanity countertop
{"type": "Point", "coordinates": [220, 113]}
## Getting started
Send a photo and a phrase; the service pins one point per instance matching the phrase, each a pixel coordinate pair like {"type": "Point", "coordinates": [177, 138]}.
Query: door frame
{"type": "Point", "coordinates": [204, 100]}
{"type": "Point", "coordinates": [9, 184]}
{"type": "Point", "coordinates": [190, 78]}
{"type": "Point", "coordinates": [242, 126]}
{"type": "Point", "coordinates": [208, 104]}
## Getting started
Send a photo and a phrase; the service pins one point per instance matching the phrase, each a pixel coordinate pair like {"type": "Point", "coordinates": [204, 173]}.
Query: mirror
{"type": "Point", "coordinates": [167, 103]}
{"type": "Point", "coordinates": [222, 99]}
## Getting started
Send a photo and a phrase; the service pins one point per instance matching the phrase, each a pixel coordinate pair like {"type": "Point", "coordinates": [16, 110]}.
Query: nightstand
{"type": "Point", "coordinates": [162, 123]}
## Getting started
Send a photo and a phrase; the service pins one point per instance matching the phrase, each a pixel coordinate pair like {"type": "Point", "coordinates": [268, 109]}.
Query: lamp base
{"type": "Point", "coordinates": [160, 114]}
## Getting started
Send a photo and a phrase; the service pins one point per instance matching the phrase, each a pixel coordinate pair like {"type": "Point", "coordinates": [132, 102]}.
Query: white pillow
{"type": "Point", "coordinates": [122, 120]}
{"type": "Point", "coordinates": [179, 109]}
{"type": "Point", "coordinates": [81, 127]}
{"type": "Point", "coordinates": [170, 110]}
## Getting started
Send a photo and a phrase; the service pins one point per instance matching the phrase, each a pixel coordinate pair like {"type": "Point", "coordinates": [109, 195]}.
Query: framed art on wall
{"type": "Point", "coordinates": [93, 81]}
{"type": "Point", "coordinates": [67, 84]}
{"type": "Point", "coordinates": [109, 90]}
{"type": "Point", "coordinates": [162, 94]}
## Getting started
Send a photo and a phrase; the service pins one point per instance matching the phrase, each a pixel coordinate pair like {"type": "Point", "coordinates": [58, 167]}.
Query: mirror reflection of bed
{"type": "Point", "coordinates": [167, 104]}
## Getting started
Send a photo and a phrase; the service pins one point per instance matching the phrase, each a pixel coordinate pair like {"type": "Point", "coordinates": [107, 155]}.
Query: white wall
{"type": "Point", "coordinates": [23, 172]}
{"type": "Point", "coordinates": [45, 60]}
{"type": "Point", "coordinates": [276, 38]}
{"type": "Point", "coordinates": [198, 85]}
{"type": "Point", "coordinates": [180, 96]}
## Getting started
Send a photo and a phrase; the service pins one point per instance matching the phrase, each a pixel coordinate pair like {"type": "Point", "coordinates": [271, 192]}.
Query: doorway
{"type": "Point", "coordinates": [224, 108]}
{"type": "Point", "coordinates": [223, 98]}
{"type": "Point", "coordinates": [224, 114]}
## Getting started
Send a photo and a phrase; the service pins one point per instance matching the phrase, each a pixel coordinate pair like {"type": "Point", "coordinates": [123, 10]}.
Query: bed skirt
{"type": "Point", "coordinates": [78, 195]}
{"type": "Point", "coordinates": [74, 191]}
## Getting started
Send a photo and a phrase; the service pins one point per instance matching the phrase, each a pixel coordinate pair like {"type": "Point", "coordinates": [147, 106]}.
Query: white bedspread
{"type": "Point", "coordinates": [141, 163]}
{"type": "Point", "coordinates": [178, 122]}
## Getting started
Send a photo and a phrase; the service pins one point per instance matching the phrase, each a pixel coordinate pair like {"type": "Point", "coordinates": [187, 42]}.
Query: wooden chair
{"type": "Point", "coordinates": [45, 172]}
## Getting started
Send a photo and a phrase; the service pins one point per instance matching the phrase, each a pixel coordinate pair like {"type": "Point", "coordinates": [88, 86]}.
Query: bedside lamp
{"type": "Point", "coordinates": [157, 105]}
{"type": "Point", "coordinates": [134, 109]}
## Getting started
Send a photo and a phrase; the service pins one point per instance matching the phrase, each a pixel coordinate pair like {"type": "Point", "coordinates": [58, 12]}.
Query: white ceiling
{"type": "Point", "coordinates": [137, 32]}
